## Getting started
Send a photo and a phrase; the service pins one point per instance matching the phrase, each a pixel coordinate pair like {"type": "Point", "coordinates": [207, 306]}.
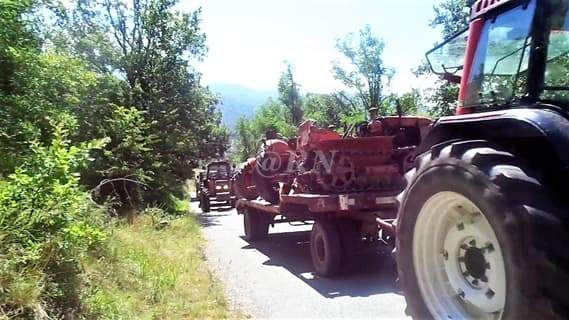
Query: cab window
{"type": "Point", "coordinates": [556, 80]}
{"type": "Point", "coordinates": [499, 70]}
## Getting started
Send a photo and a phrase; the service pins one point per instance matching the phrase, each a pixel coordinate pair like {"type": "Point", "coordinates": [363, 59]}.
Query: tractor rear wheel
{"type": "Point", "coordinates": [326, 248]}
{"type": "Point", "coordinates": [469, 238]}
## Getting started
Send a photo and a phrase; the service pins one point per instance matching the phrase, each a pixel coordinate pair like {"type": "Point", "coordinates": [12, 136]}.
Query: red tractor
{"type": "Point", "coordinates": [482, 229]}
{"type": "Point", "coordinates": [215, 186]}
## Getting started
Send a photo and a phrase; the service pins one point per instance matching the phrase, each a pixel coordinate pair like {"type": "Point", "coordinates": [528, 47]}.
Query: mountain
{"type": "Point", "coordinates": [239, 101]}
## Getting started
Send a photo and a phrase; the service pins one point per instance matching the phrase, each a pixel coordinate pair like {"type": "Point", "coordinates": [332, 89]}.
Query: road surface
{"type": "Point", "coordinates": [273, 278]}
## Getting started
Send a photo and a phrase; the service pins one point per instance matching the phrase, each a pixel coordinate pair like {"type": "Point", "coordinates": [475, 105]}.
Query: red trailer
{"type": "Point", "coordinates": [340, 223]}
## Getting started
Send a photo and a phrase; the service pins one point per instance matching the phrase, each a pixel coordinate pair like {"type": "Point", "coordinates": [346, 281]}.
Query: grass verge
{"type": "Point", "coordinates": [154, 274]}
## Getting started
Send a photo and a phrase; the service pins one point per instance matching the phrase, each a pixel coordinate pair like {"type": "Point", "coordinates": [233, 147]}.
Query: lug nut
{"type": "Point", "coordinates": [487, 265]}
{"type": "Point", "coordinates": [484, 278]}
{"type": "Point", "coordinates": [445, 254]}
{"type": "Point", "coordinates": [489, 247]}
{"type": "Point", "coordinates": [475, 282]}
{"type": "Point", "coordinates": [461, 293]}
{"type": "Point", "coordinates": [472, 243]}
{"type": "Point", "coordinates": [460, 226]}
{"type": "Point", "coordinates": [490, 294]}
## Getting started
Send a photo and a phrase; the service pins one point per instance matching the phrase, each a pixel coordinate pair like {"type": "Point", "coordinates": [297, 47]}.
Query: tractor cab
{"type": "Point", "coordinates": [514, 53]}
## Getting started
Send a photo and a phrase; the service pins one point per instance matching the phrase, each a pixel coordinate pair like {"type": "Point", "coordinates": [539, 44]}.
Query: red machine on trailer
{"type": "Point", "coordinates": [346, 184]}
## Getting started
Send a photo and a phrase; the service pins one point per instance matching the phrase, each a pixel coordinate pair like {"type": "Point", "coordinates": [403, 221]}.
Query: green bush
{"type": "Point", "coordinates": [47, 225]}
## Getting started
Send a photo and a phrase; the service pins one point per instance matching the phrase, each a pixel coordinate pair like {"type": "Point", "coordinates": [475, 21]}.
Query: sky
{"type": "Point", "coordinates": [249, 40]}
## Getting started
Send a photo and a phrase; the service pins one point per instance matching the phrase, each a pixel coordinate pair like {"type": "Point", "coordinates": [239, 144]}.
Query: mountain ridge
{"type": "Point", "coordinates": [239, 101]}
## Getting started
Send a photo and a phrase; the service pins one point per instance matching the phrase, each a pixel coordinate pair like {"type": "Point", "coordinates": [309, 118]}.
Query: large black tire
{"type": "Point", "coordinates": [255, 225]}
{"type": "Point", "coordinates": [516, 204]}
{"type": "Point", "coordinates": [326, 248]}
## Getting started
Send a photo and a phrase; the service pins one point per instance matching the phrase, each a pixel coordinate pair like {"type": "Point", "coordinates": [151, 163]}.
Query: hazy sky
{"type": "Point", "coordinates": [249, 39]}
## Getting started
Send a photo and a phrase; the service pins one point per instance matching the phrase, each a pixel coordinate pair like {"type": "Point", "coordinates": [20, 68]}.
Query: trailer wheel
{"type": "Point", "coordinates": [326, 248]}
{"type": "Point", "coordinates": [464, 250]}
{"type": "Point", "coordinates": [256, 225]}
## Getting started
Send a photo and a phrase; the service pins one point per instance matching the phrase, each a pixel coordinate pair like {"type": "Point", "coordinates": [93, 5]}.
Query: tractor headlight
{"type": "Point", "coordinates": [225, 187]}
{"type": "Point", "coordinates": [217, 187]}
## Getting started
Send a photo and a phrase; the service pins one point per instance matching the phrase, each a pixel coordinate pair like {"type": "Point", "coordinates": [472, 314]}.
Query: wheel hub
{"type": "Point", "coordinates": [473, 264]}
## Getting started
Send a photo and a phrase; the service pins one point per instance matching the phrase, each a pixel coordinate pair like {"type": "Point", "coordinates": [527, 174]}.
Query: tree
{"type": "Point", "coordinates": [247, 143]}
{"type": "Point", "coordinates": [289, 94]}
{"type": "Point", "coordinates": [409, 102]}
{"type": "Point", "coordinates": [366, 75]}
{"type": "Point", "coordinates": [452, 17]}
{"type": "Point", "coordinates": [152, 47]}
{"type": "Point", "coordinates": [272, 115]}
{"type": "Point", "coordinates": [326, 109]}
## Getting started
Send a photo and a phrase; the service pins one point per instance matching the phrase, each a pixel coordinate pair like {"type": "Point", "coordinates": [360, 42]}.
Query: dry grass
{"type": "Point", "coordinates": [154, 274]}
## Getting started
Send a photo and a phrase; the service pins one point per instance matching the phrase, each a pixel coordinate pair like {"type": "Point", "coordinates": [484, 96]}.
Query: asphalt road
{"type": "Point", "coordinates": [274, 278]}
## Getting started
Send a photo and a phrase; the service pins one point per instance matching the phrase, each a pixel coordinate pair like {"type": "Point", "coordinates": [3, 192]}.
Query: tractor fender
{"type": "Point", "coordinates": [547, 127]}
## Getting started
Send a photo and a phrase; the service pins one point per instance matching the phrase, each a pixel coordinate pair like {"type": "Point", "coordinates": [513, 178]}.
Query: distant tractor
{"type": "Point", "coordinates": [215, 186]}
{"type": "Point", "coordinates": [483, 227]}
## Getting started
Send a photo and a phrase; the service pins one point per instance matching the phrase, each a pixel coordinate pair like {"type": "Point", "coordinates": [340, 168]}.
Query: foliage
{"type": "Point", "coordinates": [153, 274]}
{"type": "Point", "coordinates": [451, 16]}
{"type": "Point", "coordinates": [247, 142]}
{"type": "Point", "coordinates": [289, 95]}
{"type": "Point", "coordinates": [47, 224]}
{"type": "Point", "coordinates": [410, 103]}
{"type": "Point", "coordinates": [273, 115]}
{"type": "Point", "coordinates": [42, 88]}
{"type": "Point", "coordinates": [106, 92]}
{"type": "Point", "coordinates": [326, 109]}
{"type": "Point", "coordinates": [162, 122]}
{"type": "Point", "coordinates": [366, 75]}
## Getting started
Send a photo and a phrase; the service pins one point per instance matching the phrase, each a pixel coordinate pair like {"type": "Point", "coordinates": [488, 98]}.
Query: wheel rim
{"type": "Point", "coordinates": [458, 260]}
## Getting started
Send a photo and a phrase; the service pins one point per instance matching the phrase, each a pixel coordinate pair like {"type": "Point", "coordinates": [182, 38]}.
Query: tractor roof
{"type": "Point", "coordinates": [482, 7]}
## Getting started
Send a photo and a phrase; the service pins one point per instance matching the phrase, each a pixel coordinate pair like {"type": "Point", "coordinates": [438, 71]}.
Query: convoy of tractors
{"type": "Point", "coordinates": [474, 205]}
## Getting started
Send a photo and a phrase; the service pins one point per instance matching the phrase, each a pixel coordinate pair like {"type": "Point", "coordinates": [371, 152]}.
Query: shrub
{"type": "Point", "coordinates": [47, 225]}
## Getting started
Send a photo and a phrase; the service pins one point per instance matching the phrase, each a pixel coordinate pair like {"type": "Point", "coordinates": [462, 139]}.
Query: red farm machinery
{"type": "Point", "coordinates": [344, 183]}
